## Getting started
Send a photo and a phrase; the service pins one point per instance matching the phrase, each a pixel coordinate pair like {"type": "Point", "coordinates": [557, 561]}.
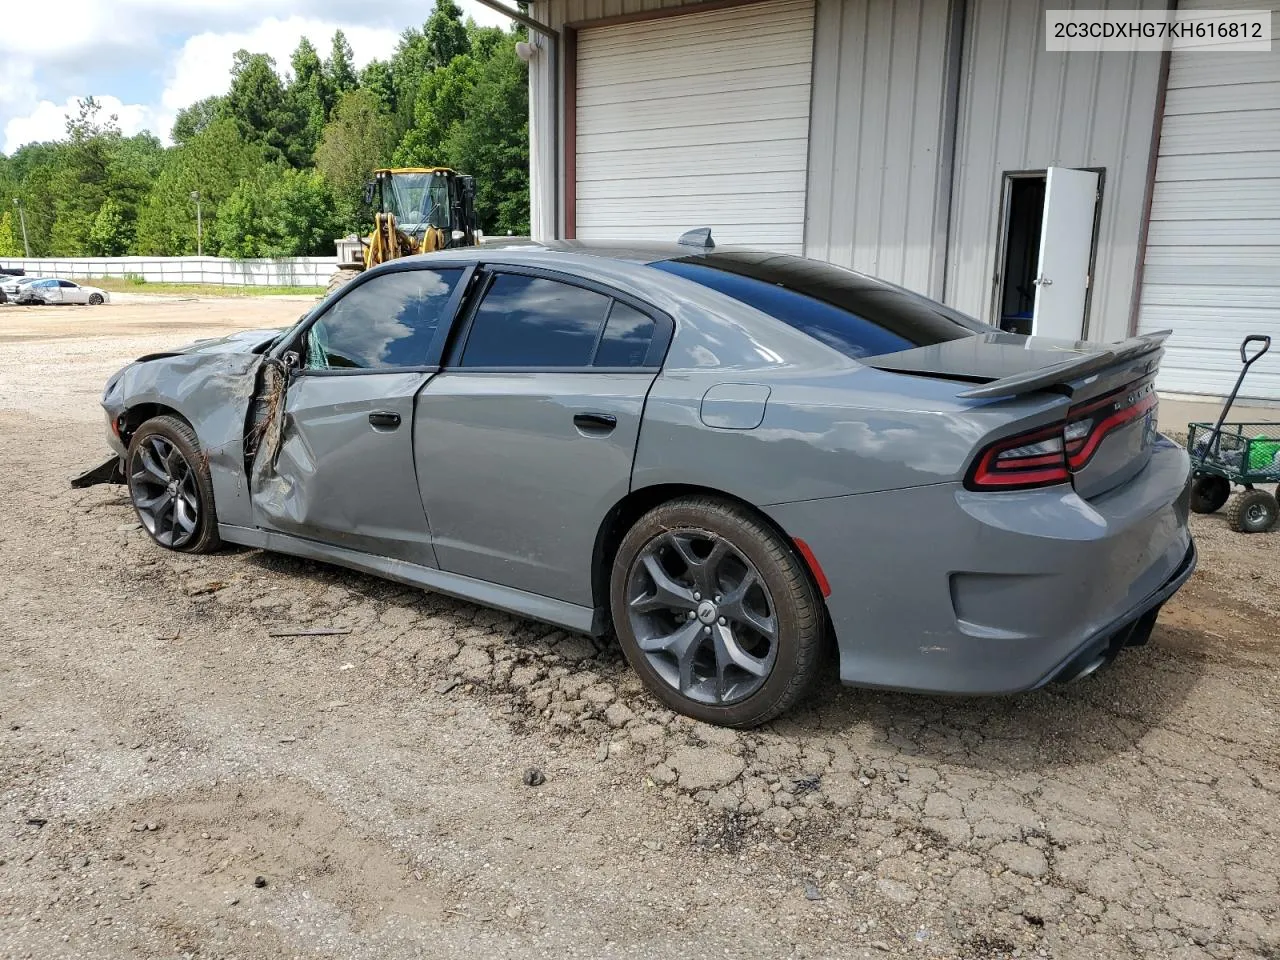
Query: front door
{"type": "Point", "coordinates": [525, 442]}
{"type": "Point", "coordinates": [344, 472]}
{"type": "Point", "coordinates": [1066, 253]}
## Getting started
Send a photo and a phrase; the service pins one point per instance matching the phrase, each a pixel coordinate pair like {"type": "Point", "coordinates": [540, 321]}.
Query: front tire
{"type": "Point", "coordinates": [341, 277]}
{"type": "Point", "coordinates": [716, 612]}
{"type": "Point", "coordinates": [170, 486]}
{"type": "Point", "coordinates": [95, 300]}
{"type": "Point", "coordinates": [1253, 511]}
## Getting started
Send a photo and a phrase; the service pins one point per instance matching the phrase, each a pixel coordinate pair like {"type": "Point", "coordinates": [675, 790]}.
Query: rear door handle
{"type": "Point", "coordinates": [384, 420]}
{"type": "Point", "coordinates": [597, 423]}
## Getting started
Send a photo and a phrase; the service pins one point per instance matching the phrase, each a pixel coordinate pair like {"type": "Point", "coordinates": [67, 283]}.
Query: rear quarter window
{"type": "Point", "coordinates": [856, 315]}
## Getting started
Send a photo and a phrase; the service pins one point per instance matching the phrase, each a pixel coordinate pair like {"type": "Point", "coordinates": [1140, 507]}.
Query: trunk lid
{"type": "Point", "coordinates": [1109, 431]}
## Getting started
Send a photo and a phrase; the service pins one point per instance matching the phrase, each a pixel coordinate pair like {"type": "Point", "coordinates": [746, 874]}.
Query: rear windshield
{"type": "Point", "coordinates": [857, 315]}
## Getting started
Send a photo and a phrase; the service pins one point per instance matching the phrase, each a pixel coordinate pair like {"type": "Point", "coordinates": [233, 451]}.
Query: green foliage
{"type": "Point", "coordinates": [340, 68]}
{"type": "Point", "coordinates": [280, 212]}
{"type": "Point", "coordinates": [10, 239]}
{"type": "Point", "coordinates": [213, 164]}
{"type": "Point", "coordinates": [357, 140]}
{"type": "Point", "coordinates": [472, 115]}
{"type": "Point", "coordinates": [446, 34]}
{"type": "Point", "coordinates": [195, 118]}
{"type": "Point", "coordinates": [309, 97]}
{"type": "Point", "coordinates": [378, 79]}
{"type": "Point", "coordinates": [110, 234]}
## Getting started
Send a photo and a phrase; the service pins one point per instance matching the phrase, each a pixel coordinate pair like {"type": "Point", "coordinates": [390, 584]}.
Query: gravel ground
{"type": "Point", "coordinates": [175, 781]}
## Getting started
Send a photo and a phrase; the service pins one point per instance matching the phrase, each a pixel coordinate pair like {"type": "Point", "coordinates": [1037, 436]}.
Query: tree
{"type": "Point", "coordinates": [472, 115]}
{"type": "Point", "coordinates": [81, 179]}
{"type": "Point", "coordinates": [446, 34]}
{"type": "Point", "coordinates": [378, 79]}
{"type": "Point", "coordinates": [340, 68]}
{"type": "Point", "coordinates": [309, 95]}
{"type": "Point", "coordinates": [280, 212]}
{"type": "Point", "coordinates": [110, 234]}
{"type": "Point", "coordinates": [356, 140]}
{"type": "Point", "coordinates": [213, 163]}
{"type": "Point", "coordinates": [195, 118]}
{"type": "Point", "coordinates": [258, 104]}
{"type": "Point", "coordinates": [10, 241]}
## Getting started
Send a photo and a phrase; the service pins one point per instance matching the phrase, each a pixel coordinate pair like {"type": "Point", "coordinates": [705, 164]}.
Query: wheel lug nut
{"type": "Point", "coordinates": [706, 630]}
{"type": "Point", "coordinates": [697, 595]}
{"type": "Point", "coordinates": [723, 621]}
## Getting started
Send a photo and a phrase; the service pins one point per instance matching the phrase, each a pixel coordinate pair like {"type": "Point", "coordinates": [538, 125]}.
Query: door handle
{"type": "Point", "coordinates": [1043, 281]}
{"type": "Point", "coordinates": [595, 423]}
{"type": "Point", "coordinates": [384, 420]}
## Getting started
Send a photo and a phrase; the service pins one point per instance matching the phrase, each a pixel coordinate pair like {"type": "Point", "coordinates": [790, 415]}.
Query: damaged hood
{"type": "Point", "coordinates": [246, 341]}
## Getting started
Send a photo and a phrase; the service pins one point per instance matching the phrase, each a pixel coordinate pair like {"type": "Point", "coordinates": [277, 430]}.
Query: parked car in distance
{"type": "Point", "coordinates": [48, 290]}
{"type": "Point", "coordinates": [730, 457]}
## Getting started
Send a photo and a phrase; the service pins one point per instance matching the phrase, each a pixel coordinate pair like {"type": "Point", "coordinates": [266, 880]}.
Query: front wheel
{"type": "Point", "coordinates": [716, 612]}
{"type": "Point", "coordinates": [170, 486]}
{"type": "Point", "coordinates": [95, 300]}
{"type": "Point", "coordinates": [1253, 511]}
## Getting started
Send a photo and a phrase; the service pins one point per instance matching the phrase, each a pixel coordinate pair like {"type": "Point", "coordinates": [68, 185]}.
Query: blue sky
{"type": "Point", "coordinates": [146, 59]}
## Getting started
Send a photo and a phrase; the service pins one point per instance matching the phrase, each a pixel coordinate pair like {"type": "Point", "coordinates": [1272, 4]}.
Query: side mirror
{"type": "Point", "coordinates": [369, 189]}
{"type": "Point", "coordinates": [468, 187]}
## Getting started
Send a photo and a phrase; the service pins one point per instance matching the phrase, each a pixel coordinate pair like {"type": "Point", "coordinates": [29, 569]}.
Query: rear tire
{"type": "Point", "coordinates": [1253, 511]}
{"type": "Point", "coordinates": [170, 486]}
{"type": "Point", "coordinates": [1209, 493]}
{"type": "Point", "coordinates": [341, 277]}
{"type": "Point", "coordinates": [733, 633]}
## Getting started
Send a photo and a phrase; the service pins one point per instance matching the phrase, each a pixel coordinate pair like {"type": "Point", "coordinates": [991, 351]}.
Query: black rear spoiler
{"type": "Point", "coordinates": [1059, 374]}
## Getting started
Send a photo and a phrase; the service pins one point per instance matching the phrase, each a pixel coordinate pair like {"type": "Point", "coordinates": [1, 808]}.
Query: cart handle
{"type": "Point", "coordinates": [1211, 450]}
{"type": "Point", "coordinates": [1253, 338]}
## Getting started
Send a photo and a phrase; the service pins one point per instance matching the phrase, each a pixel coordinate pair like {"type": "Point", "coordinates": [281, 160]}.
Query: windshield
{"type": "Point", "coordinates": [849, 312]}
{"type": "Point", "coordinates": [418, 200]}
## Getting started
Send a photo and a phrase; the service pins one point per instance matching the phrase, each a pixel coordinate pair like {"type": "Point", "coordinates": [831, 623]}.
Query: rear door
{"type": "Point", "coordinates": [526, 439]}
{"type": "Point", "coordinates": [344, 474]}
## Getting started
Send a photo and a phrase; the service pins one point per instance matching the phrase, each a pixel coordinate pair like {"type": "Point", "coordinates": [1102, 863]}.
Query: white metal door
{"type": "Point", "coordinates": [696, 120]}
{"type": "Point", "coordinates": [1066, 249]}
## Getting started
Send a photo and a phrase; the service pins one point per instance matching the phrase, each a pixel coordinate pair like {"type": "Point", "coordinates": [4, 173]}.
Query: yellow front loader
{"type": "Point", "coordinates": [417, 210]}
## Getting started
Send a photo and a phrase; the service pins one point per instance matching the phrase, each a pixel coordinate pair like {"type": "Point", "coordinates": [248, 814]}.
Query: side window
{"type": "Point", "coordinates": [66, 284]}
{"type": "Point", "coordinates": [388, 322]}
{"type": "Point", "coordinates": [534, 322]}
{"type": "Point", "coordinates": [626, 338]}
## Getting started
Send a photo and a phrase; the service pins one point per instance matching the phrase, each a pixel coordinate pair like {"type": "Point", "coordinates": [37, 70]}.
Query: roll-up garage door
{"type": "Point", "coordinates": [1213, 248]}
{"type": "Point", "coordinates": [696, 120]}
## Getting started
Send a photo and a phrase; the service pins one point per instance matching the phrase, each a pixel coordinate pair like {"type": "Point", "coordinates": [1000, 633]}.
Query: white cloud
{"type": "Point", "coordinates": [81, 41]}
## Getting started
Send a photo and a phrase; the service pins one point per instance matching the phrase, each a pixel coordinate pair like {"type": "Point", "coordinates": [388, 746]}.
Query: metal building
{"type": "Point", "coordinates": [936, 144]}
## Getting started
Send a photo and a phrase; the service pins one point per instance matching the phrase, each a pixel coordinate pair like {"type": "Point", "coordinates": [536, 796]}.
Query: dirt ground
{"type": "Point", "coordinates": [175, 781]}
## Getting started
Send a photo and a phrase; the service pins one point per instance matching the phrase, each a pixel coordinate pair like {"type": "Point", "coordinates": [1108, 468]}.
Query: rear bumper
{"type": "Point", "coordinates": [944, 590]}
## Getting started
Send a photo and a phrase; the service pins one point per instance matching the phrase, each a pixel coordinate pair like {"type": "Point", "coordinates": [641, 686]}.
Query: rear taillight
{"type": "Point", "coordinates": [1049, 455]}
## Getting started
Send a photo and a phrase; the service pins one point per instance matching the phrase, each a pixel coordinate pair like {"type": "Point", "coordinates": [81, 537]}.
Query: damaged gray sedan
{"type": "Point", "coordinates": [731, 458]}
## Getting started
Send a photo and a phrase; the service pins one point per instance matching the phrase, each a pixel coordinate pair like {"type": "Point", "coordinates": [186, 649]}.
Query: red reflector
{"type": "Point", "coordinates": [814, 566]}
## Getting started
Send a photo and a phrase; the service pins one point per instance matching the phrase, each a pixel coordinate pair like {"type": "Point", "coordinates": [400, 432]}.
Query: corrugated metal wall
{"type": "Point", "coordinates": [1023, 108]}
{"type": "Point", "coordinates": [878, 154]}
{"type": "Point", "coordinates": [1213, 252]}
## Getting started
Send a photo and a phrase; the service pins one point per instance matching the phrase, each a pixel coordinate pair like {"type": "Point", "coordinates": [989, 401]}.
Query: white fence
{"type": "Point", "coordinates": [285, 272]}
